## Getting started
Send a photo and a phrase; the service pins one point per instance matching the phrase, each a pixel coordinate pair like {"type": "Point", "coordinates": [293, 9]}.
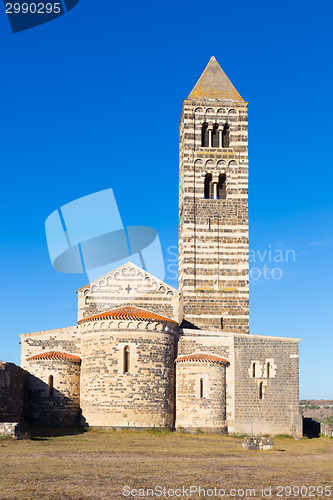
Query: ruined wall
{"type": "Point", "coordinates": [266, 386]}
{"type": "Point", "coordinates": [326, 430]}
{"type": "Point", "coordinates": [144, 395]}
{"type": "Point", "coordinates": [12, 391]}
{"type": "Point", "coordinates": [60, 339]}
{"type": "Point", "coordinates": [61, 407]}
{"type": "Point", "coordinates": [11, 429]}
{"type": "Point", "coordinates": [213, 233]}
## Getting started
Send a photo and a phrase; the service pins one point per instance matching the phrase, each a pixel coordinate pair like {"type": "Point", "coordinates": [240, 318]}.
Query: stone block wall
{"type": "Point", "coordinates": [61, 406]}
{"type": "Point", "coordinates": [326, 430]}
{"type": "Point", "coordinates": [142, 396]}
{"type": "Point", "coordinates": [128, 285]}
{"type": "Point", "coordinates": [266, 386]}
{"type": "Point", "coordinates": [193, 341]}
{"type": "Point", "coordinates": [201, 396]}
{"type": "Point", "coordinates": [12, 392]}
{"type": "Point", "coordinates": [61, 339]}
{"type": "Point", "coordinates": [222, 344]}
{"type": "Point", "coordinates": [213, 233]}
{"type": "Point", "coordinates": [11, 429]}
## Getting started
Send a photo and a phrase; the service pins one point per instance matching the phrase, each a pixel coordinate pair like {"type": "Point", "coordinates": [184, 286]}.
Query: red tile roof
{"type": "Point", "coordinates": [201, 357]}
{"type": "Point", "coordinates": [56, 355]}
{"type": "Point", "coordinates": [128, 312]}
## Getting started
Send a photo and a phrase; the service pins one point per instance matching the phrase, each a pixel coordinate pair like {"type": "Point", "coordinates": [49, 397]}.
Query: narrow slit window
{"type": "Point", "coordinates": [222, 325]}
{"type": "Point", "coordinates": [201, 388]}
{"type": "Point", "coordinates": [50, 387]}
{"type": "Point", "coordinates": [253, 370]}
{"type": "Point", "coordinates": [268, 370]}
{"type": "Point", "coordinates": [208, 188]}
{"type": "Point", "coordinates": [215, 136]}
{"type": "Point", "coordinates": [222, 188]}
{"type": "Point", "coordinates": [205, 135]}
{"type": "Point", "coordinates": [226, 136]}
{"type": "Point", "coordinates": [126, 359]}
{"type": "Point", "coordinates": [260, 390]}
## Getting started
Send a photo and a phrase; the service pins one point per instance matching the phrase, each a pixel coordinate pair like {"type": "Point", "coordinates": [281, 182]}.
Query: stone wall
{"type": "Point", "coordinates": [12, 392]}
{"type": "Point", "coordinates": [201, 407]}
{"type": "Point", "coordinates": [221, 344]}
{"type": "Point", "coordinates": [192, 341]}
{"type": "Point", "coordinates": [274, 361]}
{"type": "Point", "coordinates": [11, 429]}
{"type": "Point", "coordinates": [61, 339]}
{"type": "Point", "coordinates": [266, 386]}
{"type": "Point", "coordinates": [128, 285]}
{"type": "Point", "coordinates": [144, 395]}
{"type": "Point", "coordinates": [326, 430]}
{"type": "Point", "coordinates": [213, 233]}
{"type": "Point", "coordinates": [61, 406]}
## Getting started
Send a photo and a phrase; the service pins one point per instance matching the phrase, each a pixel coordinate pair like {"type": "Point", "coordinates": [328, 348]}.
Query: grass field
{"type": "Point", "coordinates": [98, 465]}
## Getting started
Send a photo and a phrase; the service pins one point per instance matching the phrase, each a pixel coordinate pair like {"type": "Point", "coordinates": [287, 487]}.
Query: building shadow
{"type": "Point", "coordinates": [49, 412]}
{"type": "Point", "coordinates": [37, 432]}
{"type": "Point", "coordinates": [311, 428]}
{"type": "Point", "coordinates": [188, 325]}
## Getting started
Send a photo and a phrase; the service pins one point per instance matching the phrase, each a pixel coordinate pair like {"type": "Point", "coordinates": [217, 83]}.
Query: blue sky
{"type": "Point", "coordinates": [92, 100]}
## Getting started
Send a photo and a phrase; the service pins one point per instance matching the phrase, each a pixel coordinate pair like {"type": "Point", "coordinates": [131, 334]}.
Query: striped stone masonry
{"type": "Point", "coordinates": [213, 233]}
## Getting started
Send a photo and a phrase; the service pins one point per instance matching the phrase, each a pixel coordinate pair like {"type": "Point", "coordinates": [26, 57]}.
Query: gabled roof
{"type": "Point", "coordinates": [129, 264]}
{"type": "Point", "coordinates": [214, 84]}
{"type": "Point", "coordinates": [202, 357]}
{"type": "Point", "coordinates": [128, 313]}
{"type": "Point", "coordinates": [62, 356]}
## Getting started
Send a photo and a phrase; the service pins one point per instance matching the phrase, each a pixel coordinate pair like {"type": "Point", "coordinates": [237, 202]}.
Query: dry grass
{"type": "Point", "coordinates": [97, 465]}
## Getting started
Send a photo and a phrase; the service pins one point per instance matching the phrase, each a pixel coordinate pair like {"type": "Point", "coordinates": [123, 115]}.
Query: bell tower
{"type": "Point", "coordinates": [213, 206]}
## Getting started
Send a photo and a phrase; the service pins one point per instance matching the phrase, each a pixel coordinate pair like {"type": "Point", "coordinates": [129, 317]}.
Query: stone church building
{"type": "Point", "coordinates": [144, 354]}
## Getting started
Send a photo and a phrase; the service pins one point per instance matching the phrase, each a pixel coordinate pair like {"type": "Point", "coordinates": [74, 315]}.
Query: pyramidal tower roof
{"type": "Point", "coordinates": [214, 84]}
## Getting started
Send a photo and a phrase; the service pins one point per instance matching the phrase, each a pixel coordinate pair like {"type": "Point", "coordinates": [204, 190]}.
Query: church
{"type": "Point", "coordinates": [144, 354]}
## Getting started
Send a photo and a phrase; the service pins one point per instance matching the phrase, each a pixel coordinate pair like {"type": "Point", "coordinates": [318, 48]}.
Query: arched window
{"type": "Point", "coordinates": [226, 136]}
{"type": "Point", "coordinates": [253, 370]}
{"type": "Point", "coordinates": [201, 388]}
{"type": "Point", "coordinates": [261, 392]}
{"type": "Point", "coordinates": [50, 387]}
{"type": "Point", "coordinates": [209, 188]}
{"type": "Point", "coordinates": [215, 136]}
{"type": "Point", "coordinates": [126, 359]}
{"type": "Point", "coordinates": [205, 135]}
{"type": "Point", "coordinates": [268, 370]}
{"type": "Point", "coordinates": [221, 191]}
